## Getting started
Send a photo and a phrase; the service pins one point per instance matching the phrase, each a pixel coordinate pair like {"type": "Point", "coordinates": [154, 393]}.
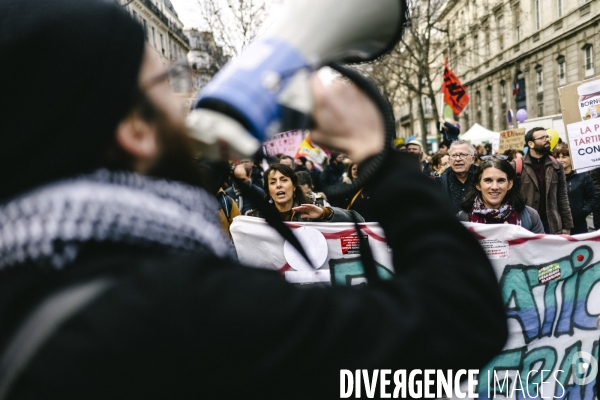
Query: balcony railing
{"type": "Point", "coordinates": [172, 27]}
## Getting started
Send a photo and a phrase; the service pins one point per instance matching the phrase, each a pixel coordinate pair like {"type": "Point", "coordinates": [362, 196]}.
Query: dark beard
{"type": "Point", "coordinates": [176, 161]}
{"type": "Point", "coordinates": [541, 150]}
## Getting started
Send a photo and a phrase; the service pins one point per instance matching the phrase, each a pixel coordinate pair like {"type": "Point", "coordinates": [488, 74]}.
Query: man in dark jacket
{"type": "Point", "coordinates": [544, 174]}
{"type": "Point", "coordinates": [332, 173]}
{"type": "Point", "coordinates": [118, 284]}
{"type": "Point", "coordinates": [242, 173]}
{"type": "Point", "coordinates": [457, 180]}
{"type": "Point", "coordinates": [256, 176]}
{"type": "Point", "coordinates": [449, 131]}
{"type": "Point", "coordinates": [583, 199]}
{"type": "Point", "coordinates": [416, 147]}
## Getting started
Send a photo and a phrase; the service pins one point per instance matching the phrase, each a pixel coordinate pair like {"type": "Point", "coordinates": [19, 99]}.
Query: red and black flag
{"type": "Point", "coordinates": [455, 94]}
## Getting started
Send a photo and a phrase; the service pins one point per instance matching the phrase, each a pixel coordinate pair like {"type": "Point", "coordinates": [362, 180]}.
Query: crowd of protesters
{"type": "Point", "coordinates": [480, 186]}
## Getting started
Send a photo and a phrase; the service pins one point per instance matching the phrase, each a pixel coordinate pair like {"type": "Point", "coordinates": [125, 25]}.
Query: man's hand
{"type": "Point", "coordinates": [347, 120]}
{"type": "Point", "coordinates": [566, 231]}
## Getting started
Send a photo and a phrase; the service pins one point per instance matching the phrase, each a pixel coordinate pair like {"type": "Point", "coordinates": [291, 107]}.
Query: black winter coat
{"type": "Point", "coordinates": [203, 327]}
{"type": "Point", "coordinates": [583, 200]}
{"type": "Point", "coordinates": [332, 175]}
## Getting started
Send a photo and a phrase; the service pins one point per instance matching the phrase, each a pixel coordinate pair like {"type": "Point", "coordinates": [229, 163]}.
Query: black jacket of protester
{"type": "Point", "coordinates": [204, 327]}
{"type": "Point", "coordinates": [583, 200]}
{"type": "Point", "coordinates": [332, 175]}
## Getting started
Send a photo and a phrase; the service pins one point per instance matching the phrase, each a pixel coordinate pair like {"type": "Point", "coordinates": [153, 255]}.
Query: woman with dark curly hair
{"type": "Point", "coordinates": [284, 193]}
{"type": "Point", "coordinates": [495, 198]}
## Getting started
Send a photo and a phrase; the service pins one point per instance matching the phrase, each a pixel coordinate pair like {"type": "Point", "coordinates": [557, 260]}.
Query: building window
{"type": "Point", "coordinates": [517, 21]}
{"type": "Point", "coordinates": [463, 57]}
{"type": "Point", "coordinates": [539, 77]}
{"type": "Point", "coordinates": [589, 60]}
{"type": "Point", "coordinates": [145, 28]}
{"type": "Point", "coordinates": [490, 116]}
{"type": "Point", "coordinates": [135, 16]}
{"type": "Point", "coordinates": [478, 102]}
{"type": "Point", "coordinates": [562, 74]}
{"type": "Point", "coordinates": [520, 91]}
{"type": "Point", "coordinates": [537, 11]}
{"type": "Point", "coordinates": [162, 44]}
{"type": "Point", "coordinates": [501, 32]}
{"type": "Point", "coordinates": [476, 51]}
{"type": "Point", "coordinates": [488, 50]}
{"type": "Point", "coordinates": [540, 109]}
{"type": "Point", "coordinates": [559, 8]}
{"type": "Point", "coordinates": [503, 91]}
{"type": "Point", "coordinates": [427, 108]}
{"type": "Point", "coordinates": [153, 37]}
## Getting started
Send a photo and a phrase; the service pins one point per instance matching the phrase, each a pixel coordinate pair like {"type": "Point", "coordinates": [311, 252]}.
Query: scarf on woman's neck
{"type": "Point", "coordinates": [483, 215]}
{"type": "Point", "coordinates": [49, 226]}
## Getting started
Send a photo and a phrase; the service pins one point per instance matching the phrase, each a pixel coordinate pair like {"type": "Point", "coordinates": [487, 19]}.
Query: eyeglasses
{"type": "Point", "coordinates": [497, 156]}
{"type": "Point", "coordinates": [178, 75]}
{"type": "Point", "coordinates": [542, 138]}
{"type": "Point", "coordinates": [460, 155]}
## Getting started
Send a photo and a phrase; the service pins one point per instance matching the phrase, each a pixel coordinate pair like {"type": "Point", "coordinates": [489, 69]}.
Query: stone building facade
{"type": "Point", "coordinates": [205, 57]}
{"type": "Point", "coordinates": [162, 27]}
{"type": "Point", "coordinates": [514, 54]}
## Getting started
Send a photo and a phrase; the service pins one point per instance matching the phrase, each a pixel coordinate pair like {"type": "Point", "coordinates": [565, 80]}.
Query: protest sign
{"type": "Point", "coordinates": [580, 104]}
{"type": "Point", "coordinates": [580, 101]}
{"type": "Point", "coordinates": [311, 151]}
{"type": "Point", "coordinates": [512, 139]}
{"type": "Point", "coordinates": [584, 141]}
{"type": "Point", "coordinates": [286, 143]}
{"type": "Point", "coordinates": [550, 286]}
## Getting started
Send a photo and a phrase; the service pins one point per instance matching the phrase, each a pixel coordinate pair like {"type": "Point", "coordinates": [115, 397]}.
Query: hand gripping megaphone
{"type": "Point", "coordinates": [243, 105]}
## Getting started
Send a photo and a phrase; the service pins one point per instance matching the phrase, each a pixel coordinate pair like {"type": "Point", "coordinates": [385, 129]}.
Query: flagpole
{"type": "Point", "coordinates": [442, 94]}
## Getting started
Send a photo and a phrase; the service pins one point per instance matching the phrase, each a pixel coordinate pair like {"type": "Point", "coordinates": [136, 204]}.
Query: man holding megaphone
{"type": "Point", "coordinates": [116, 280]}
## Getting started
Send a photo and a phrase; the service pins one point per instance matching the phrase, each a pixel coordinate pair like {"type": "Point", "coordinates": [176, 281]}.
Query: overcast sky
{"type": "Point", "coordinates": [189, 13]}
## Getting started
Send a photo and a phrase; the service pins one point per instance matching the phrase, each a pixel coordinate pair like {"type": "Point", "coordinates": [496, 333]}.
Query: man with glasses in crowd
{"type": "Point", "coordinates": [542, 173]}
{"type": "Point", "coordinates": [458, 179]}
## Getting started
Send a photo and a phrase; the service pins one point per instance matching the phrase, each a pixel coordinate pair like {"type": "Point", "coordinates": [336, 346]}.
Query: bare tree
{"type": "Point", "coordinates": [234, 23]}
{"type": "Point", "coordinates": [410, 69]}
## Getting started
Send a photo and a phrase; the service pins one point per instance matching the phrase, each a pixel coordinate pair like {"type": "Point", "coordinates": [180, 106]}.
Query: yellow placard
{"type": "Point", "coordinates": [512, 139]}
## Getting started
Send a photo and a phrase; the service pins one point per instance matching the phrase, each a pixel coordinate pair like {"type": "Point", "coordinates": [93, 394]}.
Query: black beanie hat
{"type": "Point", "coordinates": [68, 71]}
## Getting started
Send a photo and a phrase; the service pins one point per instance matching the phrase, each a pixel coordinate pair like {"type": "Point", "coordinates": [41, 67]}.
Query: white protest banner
{"type": "Point", "coordinates": [550, 290]}
{"type": "Point", "coordinates": [286, 143]}
{"type": "Point", "coordinates": [259, 245]}
{"type": "Point", "coordinates": [584, 141]}
{"type": "Point", "coordinates": [550, 286]}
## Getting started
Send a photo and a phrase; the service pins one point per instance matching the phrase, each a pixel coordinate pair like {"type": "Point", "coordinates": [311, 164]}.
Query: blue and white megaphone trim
{"type": "Point", "coordinates": [243, 105]}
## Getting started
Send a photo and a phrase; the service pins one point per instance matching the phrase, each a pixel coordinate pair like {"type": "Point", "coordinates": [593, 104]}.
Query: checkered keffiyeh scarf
{"type": "Point", "coordinates": [49, 225]}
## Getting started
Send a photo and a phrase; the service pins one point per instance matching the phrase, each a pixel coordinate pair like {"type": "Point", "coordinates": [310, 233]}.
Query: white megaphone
{"type": "Point", "coordinates": [243, 104]}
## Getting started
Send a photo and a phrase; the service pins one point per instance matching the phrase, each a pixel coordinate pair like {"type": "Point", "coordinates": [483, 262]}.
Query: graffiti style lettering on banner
{"type": "Point", "coordinates": [550, 303]}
